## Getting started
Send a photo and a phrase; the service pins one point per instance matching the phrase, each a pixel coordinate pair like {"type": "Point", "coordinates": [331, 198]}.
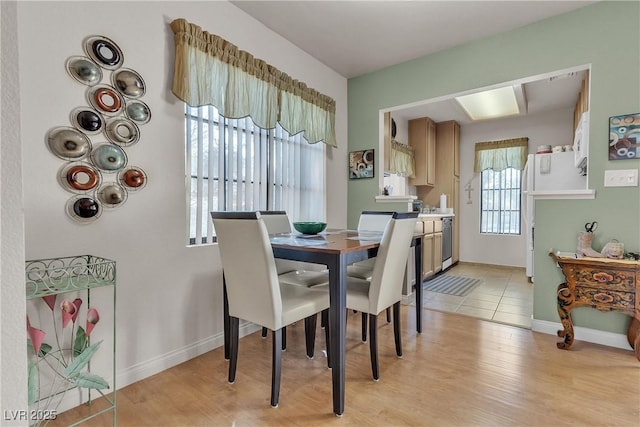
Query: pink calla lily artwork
{"type": "Point", "coordinates": [92, 318]}
{"type": "Point", "coordinates": [68, 310]}
{"type": "Point", "coordinates": [50, 300]}
{"type": "Point", "coordinates": [36, 336]}
{"type": "Point", "coordinates": [77, 303]}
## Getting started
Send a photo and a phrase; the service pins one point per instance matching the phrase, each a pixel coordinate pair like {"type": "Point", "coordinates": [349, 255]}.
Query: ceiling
{"type": "Point", "coordinates": [358, 37]}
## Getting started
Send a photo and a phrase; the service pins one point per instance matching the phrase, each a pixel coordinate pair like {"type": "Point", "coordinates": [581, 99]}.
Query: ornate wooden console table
{"type": "Point", "coordinates": [602, 283]}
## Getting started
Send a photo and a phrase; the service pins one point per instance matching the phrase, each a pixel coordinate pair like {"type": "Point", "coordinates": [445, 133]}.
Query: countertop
{"type": "Point", "coordinates": [435, 215]}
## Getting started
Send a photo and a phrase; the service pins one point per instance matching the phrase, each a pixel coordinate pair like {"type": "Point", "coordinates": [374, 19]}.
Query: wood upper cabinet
{"type": "Point", "coordinates": [422, 138]}
{"type": "Point", "coordinates": [387, 142]}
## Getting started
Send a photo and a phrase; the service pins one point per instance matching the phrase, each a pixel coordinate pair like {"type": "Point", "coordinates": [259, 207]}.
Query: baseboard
{"type": "Point", "coordinates": [583, 334]}
{"type": "Point", "coordinates": [157, 364]}
{"type": "Point", "coordinates": [160, 363]}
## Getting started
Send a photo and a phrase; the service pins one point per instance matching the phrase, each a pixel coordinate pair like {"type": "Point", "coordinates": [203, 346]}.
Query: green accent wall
{"type": "Point", "coordinates": [606, 36]}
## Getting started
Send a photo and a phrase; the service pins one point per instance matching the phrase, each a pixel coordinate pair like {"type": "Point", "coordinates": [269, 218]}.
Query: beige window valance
{"type": "Point", "coordinates": [209, 70]}
{"type": "Point", "coordinates": [499, 155]}
{"type": "Point", "coordinates": [402, 159]}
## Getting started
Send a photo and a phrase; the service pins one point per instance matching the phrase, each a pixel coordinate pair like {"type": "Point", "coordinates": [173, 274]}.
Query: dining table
{"type": "Point", "coordinates": [336, 249]}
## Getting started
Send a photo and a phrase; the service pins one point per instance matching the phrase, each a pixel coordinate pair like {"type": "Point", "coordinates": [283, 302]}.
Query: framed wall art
{"type": "Point", "coordinates": [624, 137]}
{"type": "Point", "coordinates": [361, 164]}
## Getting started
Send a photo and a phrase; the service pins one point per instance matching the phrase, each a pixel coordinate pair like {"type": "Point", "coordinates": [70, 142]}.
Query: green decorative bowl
{"type": "Point", "coordinates": [309, 227]}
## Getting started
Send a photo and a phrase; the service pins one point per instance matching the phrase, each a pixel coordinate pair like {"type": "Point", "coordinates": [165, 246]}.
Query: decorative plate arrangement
{"type": "Point", "coordinates": [114, 110]}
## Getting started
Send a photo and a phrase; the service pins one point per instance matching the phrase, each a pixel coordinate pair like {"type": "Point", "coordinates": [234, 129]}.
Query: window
{"type": "Point", "coordinates": [233, 165]}
{"type": "Point", "coordinates": [500, 201]}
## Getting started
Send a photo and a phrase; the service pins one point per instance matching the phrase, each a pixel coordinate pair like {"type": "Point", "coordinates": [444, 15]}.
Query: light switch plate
{"type": "Point", "coordinates": [621, 178]}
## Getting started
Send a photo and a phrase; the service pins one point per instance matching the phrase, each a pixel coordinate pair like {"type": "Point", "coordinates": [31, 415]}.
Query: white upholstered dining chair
{"type": "Point", "coordinates": [376, 222]}
{"type": "Point", "coordinates": [373, 221]}
{"type": "Point", "coordinates": [384, 289]}
{"type": "Point", "coordinates": [255, 294]}
{"type": "Point", "coordinates": [292, 272]}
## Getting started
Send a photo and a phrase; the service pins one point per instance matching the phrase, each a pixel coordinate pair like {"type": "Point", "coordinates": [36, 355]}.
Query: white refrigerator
{"type": "Point", "coordinates": [546, 175]}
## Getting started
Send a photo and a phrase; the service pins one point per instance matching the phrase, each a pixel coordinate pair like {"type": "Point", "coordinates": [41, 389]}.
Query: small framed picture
{"type": "Point", "coordinates": [624, 137]}
{"type": "Point", "coordinates": [361, 164]}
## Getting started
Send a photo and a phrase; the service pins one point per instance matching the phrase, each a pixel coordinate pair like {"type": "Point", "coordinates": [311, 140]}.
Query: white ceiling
{"type": "Point", "coordinates": [358, 37]}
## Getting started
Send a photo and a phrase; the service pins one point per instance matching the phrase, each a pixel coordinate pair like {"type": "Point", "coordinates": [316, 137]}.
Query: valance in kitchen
{"type": "Point", "coordinates": [209, 70]}
{"type": "Point", "coordinates": [499, 155]}
{"type": "Point", "coordinates": [402, 160]}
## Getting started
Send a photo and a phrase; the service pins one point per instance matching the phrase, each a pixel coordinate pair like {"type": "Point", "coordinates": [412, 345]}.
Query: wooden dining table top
{"type": "Point", "coordinates": [329, 241]}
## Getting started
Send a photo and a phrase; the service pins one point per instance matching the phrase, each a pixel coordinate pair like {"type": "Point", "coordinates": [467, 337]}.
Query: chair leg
{"type": "Point", "coordinates": [364, 327]}
{"type": "Point", "coordinates": [310, 334]}
{"type": "Point", "coordinates": [276, 366]}
{"type": "Point", "coordinates": [264, 332]}
{"type": "Point", "coordinates": [388, 315]}
{"type": "Point", "coordinates": [284, 338]}
{"type": "Point", "coordinates": [325, 316]}
{"type": "Point", "coordinates": [234, 325]}
{"type": "Point", "coordinates": [373, 345]}
{"type": "Point", "coordinates": [396, 328]}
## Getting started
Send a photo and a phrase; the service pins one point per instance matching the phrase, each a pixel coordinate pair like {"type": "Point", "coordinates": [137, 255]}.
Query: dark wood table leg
{"type": "Point", "coordinates": [566, 299]}
{"type": "Point", "coordinates": [418, 264]}
{"type": "Point", "coordinates": [337, 329]}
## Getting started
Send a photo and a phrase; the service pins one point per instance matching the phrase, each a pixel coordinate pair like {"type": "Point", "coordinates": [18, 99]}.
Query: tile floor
{"type": "Point", "coordinates": [504, 295]}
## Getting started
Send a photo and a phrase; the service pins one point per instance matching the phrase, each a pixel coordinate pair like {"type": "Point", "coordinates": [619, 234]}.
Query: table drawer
{"type": "Point", "coordinates": [605, 299]}
{"type": "Point", "coordinates": [609, 279]}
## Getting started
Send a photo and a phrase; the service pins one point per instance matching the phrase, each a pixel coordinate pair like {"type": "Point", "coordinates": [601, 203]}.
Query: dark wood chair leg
{"type": "Point", "coordinates": [284, 338]}
{"type": "Point", "coordinates": [234, 325]}
{"type": "Point", "coordinates": [264, 332]}
{"type": "Point", "coordinates": [373, 345]}
{"type": "Point", "coordinates": [310, 334]}
{"type": "Point", "coordinates": [396, 328]}
{"type": "Point", "coordinates": [325, 316]}
{"type": "Point", "coordinates": [388, 315]}
{"type": "Point", "coordinates": [364, 327]}
{"type": "Point", "coordinates": [276, 366]}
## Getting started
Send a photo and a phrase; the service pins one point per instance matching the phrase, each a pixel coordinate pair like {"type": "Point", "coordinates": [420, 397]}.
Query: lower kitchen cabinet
{"type": "Point", "coordinates": [427, 256]}
{"type": "Point", "coordinates": [431, 248]}
{"type": "Point", "coordinates": [437, 252]}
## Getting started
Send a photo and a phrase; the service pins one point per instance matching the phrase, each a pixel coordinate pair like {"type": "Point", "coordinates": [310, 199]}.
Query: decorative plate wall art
{"type": "Point", "coordinates": [97, 171]}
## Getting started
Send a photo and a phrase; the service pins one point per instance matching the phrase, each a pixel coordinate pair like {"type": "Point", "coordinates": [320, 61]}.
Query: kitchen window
{"type": "Point", "coordinates": [234, 165]}
{"type": "Point", "coordinates": [500, 201]}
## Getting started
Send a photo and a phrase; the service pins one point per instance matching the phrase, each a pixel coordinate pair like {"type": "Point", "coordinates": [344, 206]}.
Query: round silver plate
{"type": "Point", "coordinates": [129, 83]}
{"type": "Point", "coordinates": [68, 143]}
{"type": "Point", "coordinates": [84, 70]}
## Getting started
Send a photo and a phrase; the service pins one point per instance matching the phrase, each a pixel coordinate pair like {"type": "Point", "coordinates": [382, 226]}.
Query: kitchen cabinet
{"type": "Point", "coordinates": [427, 256]}
{"type": "Point", "coordinates": [582, 104]}
{"type": "Point", "coordinates": [448, 176]}
{"type": "Point", "coordinates": [431, 248]}
{"type": "Point", "coordinates": [437, 252]}
{"type": "Point", "coordinates": [422, 138]}
{"type": "Point", "coordinates": [387, 142]}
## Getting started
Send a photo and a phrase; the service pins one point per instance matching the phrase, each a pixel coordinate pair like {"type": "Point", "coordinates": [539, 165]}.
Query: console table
{"type": "Point", "coordinates": [602, 283]}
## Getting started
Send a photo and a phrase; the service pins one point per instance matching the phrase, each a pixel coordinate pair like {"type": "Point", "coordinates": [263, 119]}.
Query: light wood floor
{"type": "Point", "coordinates": [461, 371]}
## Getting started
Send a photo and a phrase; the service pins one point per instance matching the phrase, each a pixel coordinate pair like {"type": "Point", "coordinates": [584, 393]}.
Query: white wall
{"type": "Point", "coordinates": [554, 128]}
{"type": "Point", "coordinates": [13, 361]}
{"type": "Point", "coordinates": [169, 298]}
